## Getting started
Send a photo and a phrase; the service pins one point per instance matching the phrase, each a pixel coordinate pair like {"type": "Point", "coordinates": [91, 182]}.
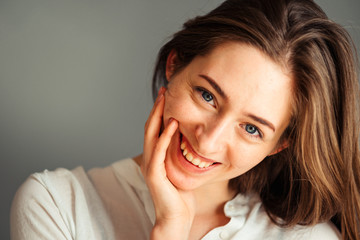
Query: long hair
{"type": "Point", "coordinates": [317, 177]}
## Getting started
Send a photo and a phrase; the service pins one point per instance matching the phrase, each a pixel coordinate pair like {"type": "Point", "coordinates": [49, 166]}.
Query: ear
{"type": "Point", "coordinates": [171, 63]}
{"type": "Point", "coordinates": [280, 147]}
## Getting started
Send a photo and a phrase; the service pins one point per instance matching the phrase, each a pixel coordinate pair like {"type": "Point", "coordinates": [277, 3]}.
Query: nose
{"type": "Point", "coordinates": [212, 136]}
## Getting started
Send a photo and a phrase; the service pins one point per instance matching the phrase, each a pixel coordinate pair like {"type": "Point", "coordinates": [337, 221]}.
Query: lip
{"type": "Point", "coordinates": [189, 166]}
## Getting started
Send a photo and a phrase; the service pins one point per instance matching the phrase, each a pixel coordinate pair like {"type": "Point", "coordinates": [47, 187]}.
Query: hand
{"type": "Point", "coordinates": [174, 208]}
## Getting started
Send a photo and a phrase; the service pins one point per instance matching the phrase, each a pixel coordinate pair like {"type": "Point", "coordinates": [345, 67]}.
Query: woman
{"type": "Point", "coordinates": [253, 135]}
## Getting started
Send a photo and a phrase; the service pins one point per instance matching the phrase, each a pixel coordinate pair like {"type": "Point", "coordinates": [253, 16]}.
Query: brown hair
{"type": "Point", "coordinates": [317, 177]}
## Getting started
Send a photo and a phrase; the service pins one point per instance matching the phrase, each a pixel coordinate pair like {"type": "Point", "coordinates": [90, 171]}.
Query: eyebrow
{"type": "Point", "coordinates": [214, 85]}
{"type": "Point", "coordinates": [262, 121]}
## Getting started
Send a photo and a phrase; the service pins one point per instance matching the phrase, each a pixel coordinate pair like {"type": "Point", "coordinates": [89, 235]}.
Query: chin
{"type": "Point", "coordinates": [181, 181]}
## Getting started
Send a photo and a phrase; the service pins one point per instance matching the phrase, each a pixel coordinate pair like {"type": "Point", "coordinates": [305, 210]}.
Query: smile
{"type": "Point", "coordinates": [191, 156]}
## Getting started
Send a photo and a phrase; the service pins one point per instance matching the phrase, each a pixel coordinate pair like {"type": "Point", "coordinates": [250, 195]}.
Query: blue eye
{"type": "Point", "coordinates": [251, 129]}
{"type": "Point", "coordinates": [207, 96]}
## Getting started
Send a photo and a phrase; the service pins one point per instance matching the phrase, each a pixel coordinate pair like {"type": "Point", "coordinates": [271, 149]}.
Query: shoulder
{"type": "Point", "coordinates": [55, 204]}
{"type": "Point", "coordinates": [57, 184]}
{"type": "Point", "coordinates": [37, 201]}
{"type": "Point", "coordinates": [60, 185]}
{"type": "Point", "coordinates": [325, 230]}
{"type": "Point", "coordinates": [256, 224]}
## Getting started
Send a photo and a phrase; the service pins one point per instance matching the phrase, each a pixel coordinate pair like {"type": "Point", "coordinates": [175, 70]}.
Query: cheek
{"type": "Point", "coordinates": [246, 157]}
{"type": "Point", "coordinates": [180, 107]}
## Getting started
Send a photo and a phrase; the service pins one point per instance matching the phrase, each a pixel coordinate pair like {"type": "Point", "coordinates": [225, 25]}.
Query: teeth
{"type": "Point", "coordinates": [196, 162]}
{"type": "Point", "coordinates": [182, 146]}
{"type": "Point", "coordinates": [189, 157]}
{"type": "Point", "coordinates": [202, 165]}
{"type": "Point", "coordinates": [192, 159]}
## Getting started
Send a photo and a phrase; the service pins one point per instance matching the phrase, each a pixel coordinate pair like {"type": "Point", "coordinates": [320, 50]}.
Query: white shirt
{"type": "Point", "coordinates": [114, 203]}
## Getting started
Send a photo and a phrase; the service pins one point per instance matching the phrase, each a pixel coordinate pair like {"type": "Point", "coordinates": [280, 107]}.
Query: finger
{"type": "Point", "coordinates": [153, 166]}
{"type": "Point", "coordinates": [164, 142]}
{"type": "Point", "coordinates": [153, 126]}
{"type": "Point", "coordinates": [161, 92]}
{"type": "Point", "coordinates": [160, 95]}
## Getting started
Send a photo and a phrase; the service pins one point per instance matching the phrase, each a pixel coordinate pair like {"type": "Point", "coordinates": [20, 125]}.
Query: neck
{"type": "Point", "coordinates": [211, 198]}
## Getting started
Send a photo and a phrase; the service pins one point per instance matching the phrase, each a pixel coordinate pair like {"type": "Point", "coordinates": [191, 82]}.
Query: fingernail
{"type": "Point", "coordinates": [170, 120]}
{"type": "Point", "coordinates": [161, 90]}
{"type": "Point", "coordinates": [159, 97]}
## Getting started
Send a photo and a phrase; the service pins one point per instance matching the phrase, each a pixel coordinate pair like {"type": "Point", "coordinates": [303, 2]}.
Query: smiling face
{"type": "Point", "coordinates": [232, 106]}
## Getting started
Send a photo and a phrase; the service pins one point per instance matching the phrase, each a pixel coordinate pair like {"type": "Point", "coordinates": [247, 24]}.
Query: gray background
{"type": "Point", "coordinates": [75, 79]}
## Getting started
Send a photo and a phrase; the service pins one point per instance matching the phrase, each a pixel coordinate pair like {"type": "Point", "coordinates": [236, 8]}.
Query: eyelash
{"type": "Point", "coordinates": [202, 90]}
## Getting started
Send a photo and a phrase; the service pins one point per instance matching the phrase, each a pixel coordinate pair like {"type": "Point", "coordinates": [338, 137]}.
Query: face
{"type": "Point", "coordinates": [232, 106]}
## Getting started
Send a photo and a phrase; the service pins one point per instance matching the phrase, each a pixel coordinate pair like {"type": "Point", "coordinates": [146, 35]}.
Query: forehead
{"type": "Point", "coordinates": [233, 56]}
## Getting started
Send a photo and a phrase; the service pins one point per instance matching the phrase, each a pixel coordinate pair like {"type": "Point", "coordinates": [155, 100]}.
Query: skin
{"type": "Point", "coordinates": [218, 126]}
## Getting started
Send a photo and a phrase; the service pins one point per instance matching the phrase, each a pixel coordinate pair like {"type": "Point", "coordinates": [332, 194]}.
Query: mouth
{"type": "Point", "coordinates": [192, 157]}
